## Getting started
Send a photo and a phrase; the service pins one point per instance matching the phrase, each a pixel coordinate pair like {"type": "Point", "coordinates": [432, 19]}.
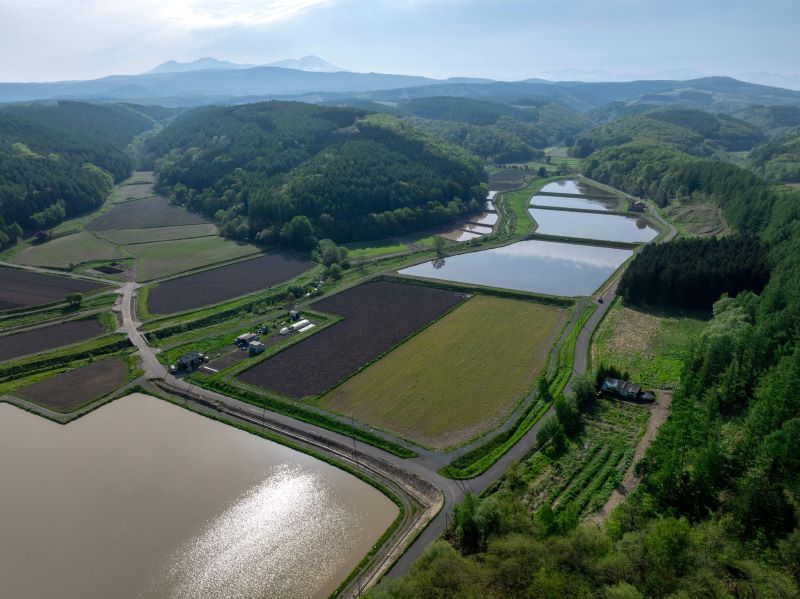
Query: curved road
{"type": "Point", "coordinates": [423, 468]}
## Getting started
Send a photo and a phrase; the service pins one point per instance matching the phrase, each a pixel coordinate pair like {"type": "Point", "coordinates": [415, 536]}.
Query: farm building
{"type": "Point", "coordinates": [255, 348]}
{"type": "Point", "coordinates": [296, 326]}
{"type": "Point", "coordinates": [622, 389]}
{"type": "Point", "coordinates": [188, 361]}
{"type": "Point", "coordinates": [294, 315]}
{"type": "Point", "coordinates": [245, 339]}
{"type": "Point", "coordinates": [638, 206]}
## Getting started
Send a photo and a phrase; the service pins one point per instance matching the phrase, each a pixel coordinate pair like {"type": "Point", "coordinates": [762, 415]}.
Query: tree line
{"type": "Point", "coordinates": [292, 173]}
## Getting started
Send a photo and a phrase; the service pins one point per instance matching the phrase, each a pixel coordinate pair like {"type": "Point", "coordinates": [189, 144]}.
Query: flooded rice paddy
{"type": "Point", "coordinates": [142, 498]}
{"type": "Point", "coordinates": [574, 187]}
{"type": "Point", "coordinates": [575, 203]}
{"type": "Point", "coordinates": [587, 225]}
{"type": "Point", "coordinates": [537, 266]}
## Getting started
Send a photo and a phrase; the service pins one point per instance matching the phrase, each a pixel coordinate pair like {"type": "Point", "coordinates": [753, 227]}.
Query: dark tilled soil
{"type": "Point", "coordinates": [377, 316]}
{"type": "Point", "coordinates": [225, 282]}
{"type": "Point", "coordinates": [143, 214]}
{"type": "Point", "coordinates": [21, 288]}
{"type": "Point", "coordinates": [47, 338]}
{"type": "Point", "coordinates": [507, 179]}
{"type": "Point", "coordinates": [68, 391]}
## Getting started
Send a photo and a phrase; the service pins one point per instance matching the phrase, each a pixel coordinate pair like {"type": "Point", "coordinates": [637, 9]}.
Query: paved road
{"type": "Point", "coordinates": [423, 466]}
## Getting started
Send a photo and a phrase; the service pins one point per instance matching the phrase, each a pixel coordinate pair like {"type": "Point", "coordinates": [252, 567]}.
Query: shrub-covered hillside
{"type": "Point", "coordinates": [779, 158]}
{"type": "Point", "coordinates": [692, 131]}
{"type": "Point", "coordinates": [290, 172]}
{"type": "Point", "coordinates": [61, 160]}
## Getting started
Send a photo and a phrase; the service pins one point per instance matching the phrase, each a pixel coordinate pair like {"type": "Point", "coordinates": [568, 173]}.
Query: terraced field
{"type": "Point", "coordinates": [226, 282]}
{"type": "Point", "coordinates": [23, 289]}
{"type": "Point", "coordinates": [49, 337]}
{"type": "Point", "coordinates": [580, 481]}
{"type": "Point", "coordinates": [376, 317]}
{"type": "Point", "coordinates": [154, 211]}
{"type": "Point", "coordinates": [72, 249]}
{"type": "Point", "coordinates": [442, 387]}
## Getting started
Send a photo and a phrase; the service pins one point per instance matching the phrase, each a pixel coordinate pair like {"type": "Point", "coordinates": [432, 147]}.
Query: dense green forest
{"type": "Point", "coordinates": [694, 273]}
{"type": "Point", "coordinates": [60, 160]}
{"type": "Point", "coordinates": [536, 123]}
{"type": "Point", "coordinates": [771, 119]}
{"type": "Point", "coordinates": [779, 158]}
{"type": "Point", "coordinates": [494, 144]}
{"type": "Point", "coordinates": [716, 514]}
{"type": "Point", "coordinates": [692, 131]}
{"type": "Point", "coordinates": [288, 172]}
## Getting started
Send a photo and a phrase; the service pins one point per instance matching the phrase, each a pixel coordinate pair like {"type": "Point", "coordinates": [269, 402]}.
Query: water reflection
{"type": "Point", "coordinates": [574, 187]}
{"type": "Point", "coordinates": [537, 266]}
{"type": "Point", "coordinates": [262, 528]}
{"type": "Point", "coordinates": [587, 225]}
{"type": "Point", "coordinates": [142, 498]}
{"type": "Point", "coordinates": [576, 203]}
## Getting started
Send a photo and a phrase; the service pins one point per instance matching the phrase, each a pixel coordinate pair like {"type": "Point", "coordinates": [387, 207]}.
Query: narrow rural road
{"type": "Point", "coordinates": [422, 467]}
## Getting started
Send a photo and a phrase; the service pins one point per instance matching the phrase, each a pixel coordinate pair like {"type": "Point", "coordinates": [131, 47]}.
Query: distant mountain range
{"type": "Point", "coordinates": [312, 79]}
{"type": "Point", "coordinates": [311, 63]}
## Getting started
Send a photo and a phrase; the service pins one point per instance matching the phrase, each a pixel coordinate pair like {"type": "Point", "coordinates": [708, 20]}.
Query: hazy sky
{"type": "Point", "coordinates": [506, 39]}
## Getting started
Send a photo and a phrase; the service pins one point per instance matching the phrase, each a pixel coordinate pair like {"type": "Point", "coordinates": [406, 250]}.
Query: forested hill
{"type": "Point", "coordinates": [692, 131]}
{"type": "Point", "coordinates": [718, 507]}
{"type": "Point", "coordinates": [290, 172]}
{"type": "Point", "coordinates": [779, 158]}
{"type": "Point", "coordinates": [61, 160]}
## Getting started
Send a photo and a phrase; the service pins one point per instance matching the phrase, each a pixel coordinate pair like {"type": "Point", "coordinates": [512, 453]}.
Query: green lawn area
{"type": "Point", "coordinates": [458, 378]}
{"type": "Point", "coordinates": [166, 258]}
{"type": "Point", "coordinates": [650, 346]}
{"type": "Point", "coordinates": [72, 249]}
{"type": "Point", "coordinates": [369, 250]}
{"type": "Point", "coordinates": [149, 235]}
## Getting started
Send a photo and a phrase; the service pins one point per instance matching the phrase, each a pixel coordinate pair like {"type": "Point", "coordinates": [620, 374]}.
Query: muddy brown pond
{"type": "Point", "coordinates": [142, 498]}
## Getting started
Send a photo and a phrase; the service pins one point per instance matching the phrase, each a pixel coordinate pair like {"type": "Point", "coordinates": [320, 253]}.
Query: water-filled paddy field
{"type": "Point", "coordinates": [587, 225]}
{"type": "Point", "coordinates": [575, 203]}
{"type": "Point", "coordinates": [546, 267]}
{"type": "Point", "coordinates": [142, 498]}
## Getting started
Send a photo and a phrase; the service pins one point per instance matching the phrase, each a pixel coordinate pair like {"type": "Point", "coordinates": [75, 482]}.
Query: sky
{"type": "Point", "coordinates": [48, 40]}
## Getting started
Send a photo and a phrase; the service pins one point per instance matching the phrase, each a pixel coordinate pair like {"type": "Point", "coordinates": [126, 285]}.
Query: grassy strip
{"type": "Point", "coordinates": [479, 460]}
{"type": "Point", "coordinates": [550, 300]}
{"type": "Point", "coordinates": [297, 412]}
{"type": "Point", "coordinates": [520, 222]}
{"type": "Point", "coordinates": [94, 347]}
{"type": "Point", "coordinates": [566, 353]}
{"type": "Point", "coordinates": [11, 321]}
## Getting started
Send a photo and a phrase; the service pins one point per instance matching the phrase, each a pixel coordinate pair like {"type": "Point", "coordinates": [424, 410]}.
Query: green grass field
{"type": "Point", "coordinates": [442, 387]}
{"type": "Point", "coordinates": [650, 346]}
{"type": "Point", "coordinates": [167, 258]}
{"type": "Point", "coordinates": [72, 249]}
{"type": "Point", "coordinates": [583, 477]}
{"type": "Point", "coordinates": [152, 234]}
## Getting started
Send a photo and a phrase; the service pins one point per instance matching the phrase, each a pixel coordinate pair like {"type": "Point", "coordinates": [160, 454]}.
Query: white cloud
{"type": "Point", "coordinates": [212, 14]}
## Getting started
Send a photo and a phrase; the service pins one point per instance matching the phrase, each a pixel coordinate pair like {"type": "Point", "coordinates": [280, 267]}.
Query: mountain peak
{"type": "Point", "coordinates": [310, 63]}
{"type": "Point", "coordinates": [201, 64]}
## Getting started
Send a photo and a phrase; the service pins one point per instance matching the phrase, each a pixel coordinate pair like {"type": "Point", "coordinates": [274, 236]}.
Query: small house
{"type": "Point", "coordinates": [294, 315]}
{"type": "Point", "coordinates": [188, 361]}
{"type": "Point", "coordinates": [622, 389]}
{"type": "Point", "coordinates": [255, 348]}
{"type": "Point", "coordinates": [638, 206]}
{"type": "Point", "coordinates": [245, 339]}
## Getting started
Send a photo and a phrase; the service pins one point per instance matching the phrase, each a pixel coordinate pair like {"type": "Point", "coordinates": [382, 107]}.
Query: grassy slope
{"type": "Point", "coordinates": [72, 249]}
{"type": "Point", "coordinates": [650, 346]}
{"type": "Point", "coordinates": [441, 388]}
{"type": "Point", "coordinates": [166, 258]}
